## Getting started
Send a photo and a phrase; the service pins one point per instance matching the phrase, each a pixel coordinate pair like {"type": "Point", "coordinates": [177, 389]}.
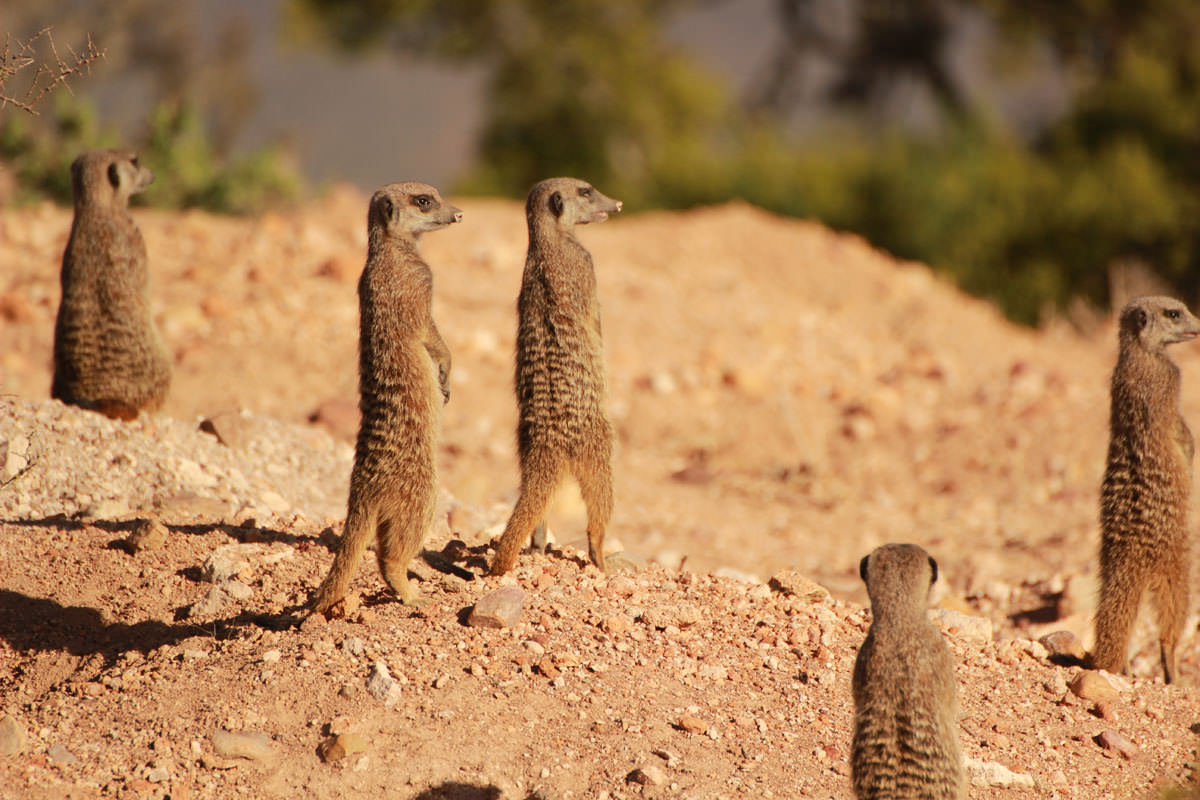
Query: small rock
{"type": "Point", "coordinates": [248, 745]}
{"type": "Point", "coordinates": [382, 686]}
{"type": "Point", "coordinates": [648, 775]}
{"type": "Point", "coordinates": [237, 590]}
{"type": "Point", "coordinates": [617, 624]}
{"type": "Point", "coordinates": [1111, 740]}
{"type": "Point", "coordinates": [990, 773]}
{"type": "Point", "coordinates": [498, 609]}
{"type": "Point", "coordinates": [793, 583]}
{"type": "Point", "coordinates": [1091, 686]}
{"type": "Point", "coordinates": [224, 563]}
{"type": "Point", "coordinates": [1063, 644]}
{"type": "Point", "coordinates": [192, 474]}
{"type": "Point", "coordinates": [104, 510]}
{"type": "Point", "coordinates": [210, 605]}
{"type": "Point", "coordinates": [352, 646]}
{"type": "Point", "coordinates": [338, 747]}
{"type": "Point", "coordinates": [158, 775]}
{"type": "Point", "coordinates": [963, 626]}
{"type": "Point", "coordinates": [340, 416]}
{"type": "Point", "coordinates": [231, 428]}
{"type": "Point", "coordinates": [60, 755]}
{"type": "Point", "coordinates": [271, 656]}
{"type": "Point", "coordinates": [737, 575]}
{"type": "Point", "coordinates": [212, 762]}
{"type": "Point", "coordinates": [275, 502]}
{"type": "Point", "coordinates": [534, 646]}
{"type": "Point", "coordinates": [148, 534]}
{"type": "Point", "coordinates": [12, 737]}
{"type": "Point", "coordinates": [692, 724]}
{"type": "Point", "coordinates": [623, 561]}
{"type": "Point", "coordinates": [340, 725]}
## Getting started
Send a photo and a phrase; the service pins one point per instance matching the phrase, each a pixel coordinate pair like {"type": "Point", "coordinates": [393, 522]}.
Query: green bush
{"type": "Point", "coordinates": [176, 147]}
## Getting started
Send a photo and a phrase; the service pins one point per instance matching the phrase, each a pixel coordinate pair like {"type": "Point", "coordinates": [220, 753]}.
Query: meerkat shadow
{"type": "Point", "coordinates": [453, 790]}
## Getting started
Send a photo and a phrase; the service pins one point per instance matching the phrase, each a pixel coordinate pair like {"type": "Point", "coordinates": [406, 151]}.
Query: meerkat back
{"type": "Point", "coordinates": [906, 700]}
{"type": "Point", "coordinates": [108, 355]}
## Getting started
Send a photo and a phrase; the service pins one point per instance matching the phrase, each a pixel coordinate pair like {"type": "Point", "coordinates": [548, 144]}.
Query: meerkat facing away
{"type": "Point", "coordinates": [560, 379]}
{"type": "Point", "coordinates": [107, 353]}
{"type": "Point", "coordinates": [905, 696]}
{"type": "Point", "coordinates": [1144, 536]}
{"type": "Point", "coordinates": [404, 373]}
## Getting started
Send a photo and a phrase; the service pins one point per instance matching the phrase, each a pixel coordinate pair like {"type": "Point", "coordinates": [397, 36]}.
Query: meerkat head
{"type": "Point", "coordinates": [898, 571]}
{"type": "Point", "coordinates": [570, 202]}
{"type": "Point", "coordinates": [1155, 322]}
{"type": "Point", "coordinates": [108, 178]}
{"type": "Point", "coordinates": [409, 209]}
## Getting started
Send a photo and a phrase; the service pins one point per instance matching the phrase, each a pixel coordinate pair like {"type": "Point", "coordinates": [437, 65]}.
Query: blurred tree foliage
{"type": "Point", "coordinates": [197, 100]}
{"type": "Point", "coordinates": [1028, 218]}
{"type": "Point", "coordinates": [576, 87]}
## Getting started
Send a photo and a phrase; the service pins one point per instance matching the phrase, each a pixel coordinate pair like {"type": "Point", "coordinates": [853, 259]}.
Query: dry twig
{"type": "Point", "coordinates": [49, 72]}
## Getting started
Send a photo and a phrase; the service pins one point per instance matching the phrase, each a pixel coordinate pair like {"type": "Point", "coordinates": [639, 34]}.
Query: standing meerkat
{"type": "Point", "coordinates": [1144, 538]}
{"type": "Point", "coordinates": [905, 696]}
{"type": "Point", "coordinates": [560, 380]}
{"type": "Point", "coordinates": [404, 374]}
{"type": "Point", "coordinates": [108, 356]}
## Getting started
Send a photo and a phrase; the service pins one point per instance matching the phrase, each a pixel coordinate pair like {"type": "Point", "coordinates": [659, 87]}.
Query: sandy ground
{"type": "Point", "coordinates": [786, 398]}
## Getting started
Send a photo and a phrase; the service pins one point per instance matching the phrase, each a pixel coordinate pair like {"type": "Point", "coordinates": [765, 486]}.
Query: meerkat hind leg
{"type": "Point", "coordinates": [1120, 593]}
{"type": "Point", "coordinates": [540, 475]}
{"type": "Point", "coordinates": [537, 544]}
{"type": "Point", "coordinates": [395, 550]}
{"type": "Point", "coordinates": [360, 524]}
{"type": "Point", "coordinates": [595, 484]}
{"type": "Point", "coordinates": [1170, 603]}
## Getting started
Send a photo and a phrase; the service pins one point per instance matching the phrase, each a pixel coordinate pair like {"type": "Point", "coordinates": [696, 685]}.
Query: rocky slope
{"type": "Point", "coordinates": [786, 399]}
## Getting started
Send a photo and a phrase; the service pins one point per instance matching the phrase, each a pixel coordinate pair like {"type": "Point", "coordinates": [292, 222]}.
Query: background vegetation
{"type": "Point", "coordinates": [899, 121]}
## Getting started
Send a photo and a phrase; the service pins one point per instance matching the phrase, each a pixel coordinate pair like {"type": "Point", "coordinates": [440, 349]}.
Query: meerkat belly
{"type": "Point", "coordinates": [398, 406]}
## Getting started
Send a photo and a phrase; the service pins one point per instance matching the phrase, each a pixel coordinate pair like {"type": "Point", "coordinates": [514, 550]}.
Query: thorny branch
{"type": "Point", "coordinates": [49, 73]}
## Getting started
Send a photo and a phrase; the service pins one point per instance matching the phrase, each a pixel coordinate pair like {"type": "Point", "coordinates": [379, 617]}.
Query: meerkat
{"type": "Point", "coordinates": [1144, 538]}
{"type": "Point", "coordinates": [404, 374]}
{"type": "Point", "coordinates": [108, 356]}
{"type": "Point", "coordinates": [560, 379]}
{"type": "Point", "coordinates": [905, 696]}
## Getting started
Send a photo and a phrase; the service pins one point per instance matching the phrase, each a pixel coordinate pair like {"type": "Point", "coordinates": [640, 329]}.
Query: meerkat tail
{"type": "Point", "coordinates": [1170, 600]}
{"type": "Point", "coordinates": [360, 524]}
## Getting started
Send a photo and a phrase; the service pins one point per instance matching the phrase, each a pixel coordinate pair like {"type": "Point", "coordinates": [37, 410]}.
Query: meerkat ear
{"type": "Point", "coordinates": [556, 204]}
{"type": "Point", "coordinates": [862, 568]}
{"type": "Point", "coordinates": [388, 208]}
{"type": "Point", "coordinates": [114, 176]}
{"type": "Point", "coordinates": [1139, 319]}
{"type": "Point", "coordinates": [933, 571]}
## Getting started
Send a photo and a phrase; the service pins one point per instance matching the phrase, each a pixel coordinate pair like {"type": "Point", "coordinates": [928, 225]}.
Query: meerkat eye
{"type": "Point", "coordinates": [423, 202]}
{"type": "Point", "coordinates": [585, 191]}
{"type": "Point", "coordinates": [134, 161]}
{"type": "Point", "coordinates": [1171, 313]}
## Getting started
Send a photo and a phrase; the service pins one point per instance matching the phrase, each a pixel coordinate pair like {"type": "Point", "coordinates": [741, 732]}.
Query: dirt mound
{"type": "Point", "coordinates": [785, 398]}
